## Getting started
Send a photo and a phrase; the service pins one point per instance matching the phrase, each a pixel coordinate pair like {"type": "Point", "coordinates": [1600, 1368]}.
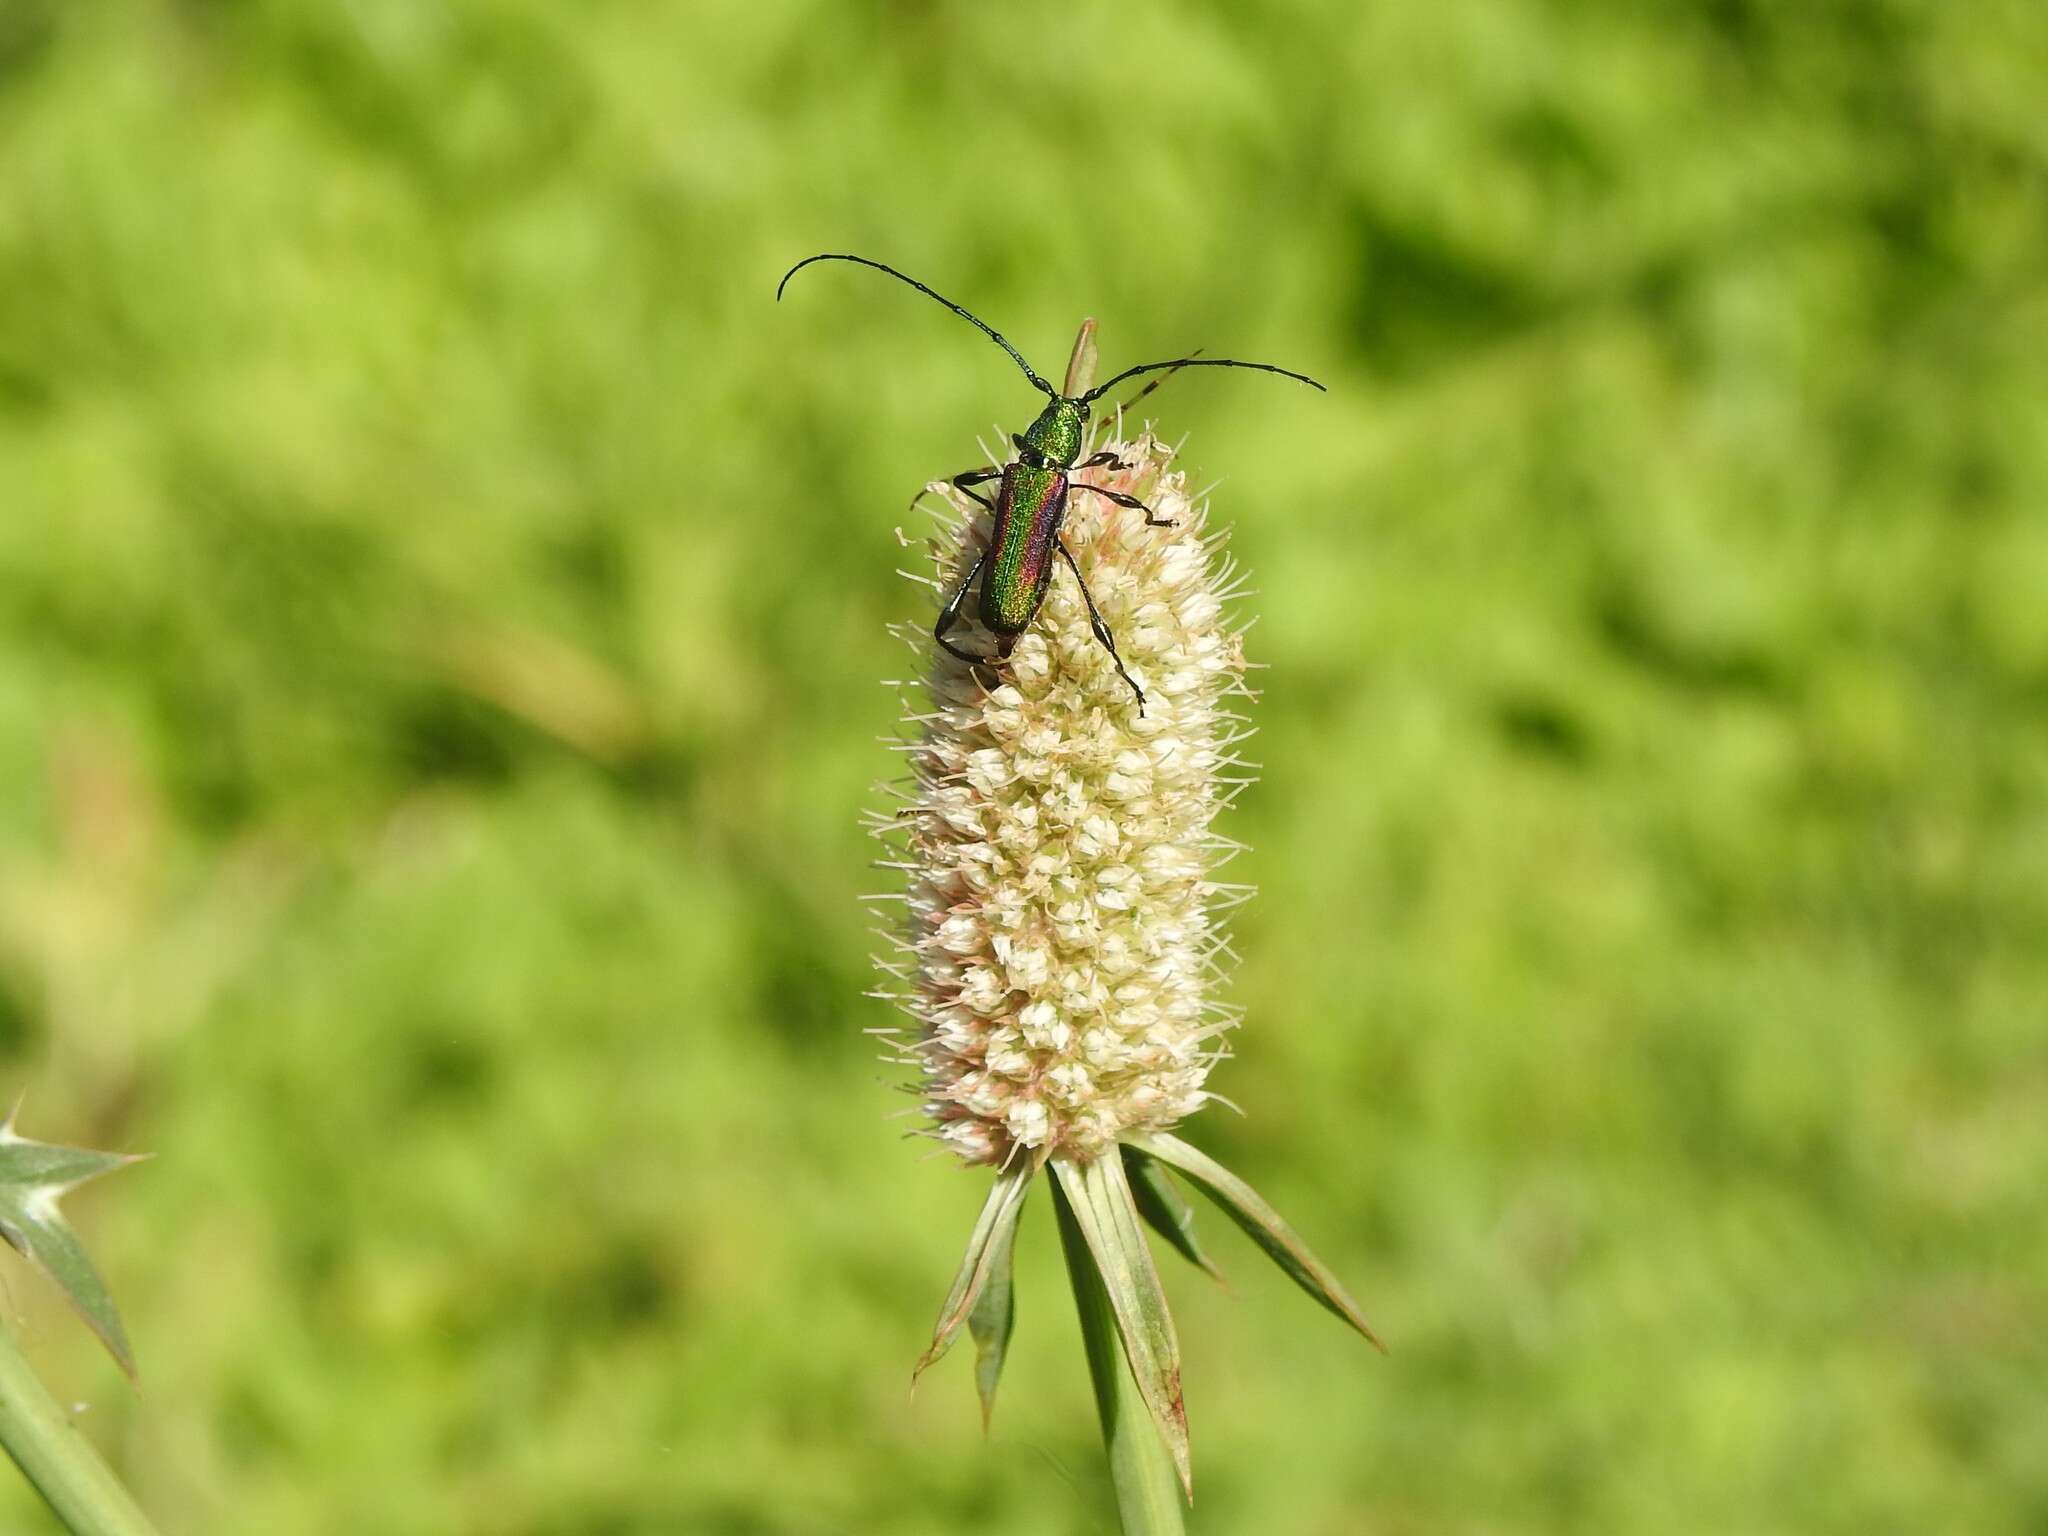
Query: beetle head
{"type": "Point", "coordinates": [1056, 436]}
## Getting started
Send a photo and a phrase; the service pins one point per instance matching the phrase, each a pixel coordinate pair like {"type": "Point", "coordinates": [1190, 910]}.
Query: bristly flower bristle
{"type": "Point", "coordinates": [1062, 930]}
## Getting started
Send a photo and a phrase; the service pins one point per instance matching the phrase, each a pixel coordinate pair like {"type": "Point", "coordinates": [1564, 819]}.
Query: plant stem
{"type": "Point", "coordinates": [1147, 1493]}
{"type": "Point", "coordinates": [57, 1457]}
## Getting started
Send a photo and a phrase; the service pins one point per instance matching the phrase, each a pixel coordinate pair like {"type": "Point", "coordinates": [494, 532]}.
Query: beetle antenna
{"type": "Point", "coordinates": [993, 334]}
{"type": "Point", "coordinates": [1141, 394]}
{"type": "Point", "coordinates": [1197, 362]}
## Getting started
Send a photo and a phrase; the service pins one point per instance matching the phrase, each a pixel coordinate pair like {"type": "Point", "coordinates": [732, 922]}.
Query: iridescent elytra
{"type": "Point", "coordinates": [1031, 502]}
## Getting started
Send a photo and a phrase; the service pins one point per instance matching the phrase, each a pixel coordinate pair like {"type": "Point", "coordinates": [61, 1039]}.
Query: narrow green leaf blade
{"type": "Point", "coordinates": [996, 1226]}
{"type": "Point", "coordinates": [992, 1319]}
{"type": "Point", "coordinates": [1245, 1206]}
{"type": "Point", "coordinates": [1148, 1489]}
{"type": "Point", "coordinates": [1165, 1209]}
{"type": "Point", "coordinates": [33, 1177]}
{"type": "Point", "coordinates": [1100, 1197]}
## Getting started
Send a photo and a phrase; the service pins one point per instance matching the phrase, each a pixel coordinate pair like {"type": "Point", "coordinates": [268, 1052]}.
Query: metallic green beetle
{"type": "Point", "coordinates": [1031, 503]}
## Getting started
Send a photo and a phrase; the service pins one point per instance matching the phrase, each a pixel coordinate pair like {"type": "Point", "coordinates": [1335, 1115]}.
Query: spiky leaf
{"type": "Point", "coordinates": [1165, 1209]}
{"type": "Point", "coordinates": [992, 1319]}
{"type": "Point", "coordinates": [33, 1176]}
{"type": "Point", "coordinates": [1148, 1490]}
{"type": "Point", "coordinates": [1100, 1197]}
{"type": "Point", "coordinates": [1245, 1206]}
{"type": "Point", "coordinates": [992, 1232]}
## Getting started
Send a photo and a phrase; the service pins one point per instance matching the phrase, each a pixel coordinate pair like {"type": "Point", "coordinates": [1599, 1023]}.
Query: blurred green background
{"type": "Point", "coordinates": [443, 602]}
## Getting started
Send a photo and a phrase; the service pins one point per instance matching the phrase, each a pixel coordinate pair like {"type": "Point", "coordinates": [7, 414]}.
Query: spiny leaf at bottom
{"type": "Point", "coordinates": [993, 1318]}
{"type": "Point", "coordinates": [1165, 1209]}
{"type": "Point", "coordinates": [992, 1233]}
{"type": "Point", "coordinates": [34, 1175]}
{"type": "Point", "coordinates": [1100, 1197]}
{"type": "Point", "coordinates": [1248, 1208]}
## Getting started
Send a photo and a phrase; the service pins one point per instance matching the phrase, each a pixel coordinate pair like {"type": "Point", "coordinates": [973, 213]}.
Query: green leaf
{"type": "Point", "coordinates": [992, 1318]}
{"type": "Point", "coordinates": [33, 1176]}
{"type": "Point", "coordinates": [1165, 1209]}
{"type": "Point", "coordinates": [1100, 1197]}
{"type": "Point", "coordinates": [1245, 1206]}
{"type": "Point", "coordinates": [1148, 1491]}
{"type": "Point", "coordinates": [992, 1232]}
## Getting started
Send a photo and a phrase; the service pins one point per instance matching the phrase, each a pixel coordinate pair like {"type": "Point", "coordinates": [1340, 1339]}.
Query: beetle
{"type": "Point", "coordinates": [1031, 502]}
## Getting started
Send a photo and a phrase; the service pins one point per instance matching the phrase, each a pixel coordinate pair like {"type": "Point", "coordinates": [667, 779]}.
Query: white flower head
{"type": "Point", "coordinates": [1058, 837]}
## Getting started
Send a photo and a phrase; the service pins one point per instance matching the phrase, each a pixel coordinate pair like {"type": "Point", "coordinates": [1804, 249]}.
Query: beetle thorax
{"type": "Point", "coordinates": [1056, 435]}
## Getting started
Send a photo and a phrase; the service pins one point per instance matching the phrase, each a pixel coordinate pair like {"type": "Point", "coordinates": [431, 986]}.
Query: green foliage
{"type": "Point", "coordinates": [988, 1259]}
{"type": "Point", "coordinates": [1166, 1210]}
{"type": "Point", "coordinates": [1099, 1197]}
{"type": "Point", "coordinates": [34, 1176]}
{"type": "Point", "coordinates": [1262, 1224]}
{"type": "Point", "coordinates": [993, 1321]}
{"type": "Point", "coordinates": [441, 603]}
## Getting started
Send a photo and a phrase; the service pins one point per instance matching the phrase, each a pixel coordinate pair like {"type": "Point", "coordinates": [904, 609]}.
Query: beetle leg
{"type": "Point", "coordinates": [1102, 634]}
{"type": "Point", "coordinates": [1103, 460]}
{"type": "Point", "coordinates": [950, 615]}
{"type": "Point", "coordinates": [961, 482]}
{"type": "Point", "coordinates": [1152, 519]}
